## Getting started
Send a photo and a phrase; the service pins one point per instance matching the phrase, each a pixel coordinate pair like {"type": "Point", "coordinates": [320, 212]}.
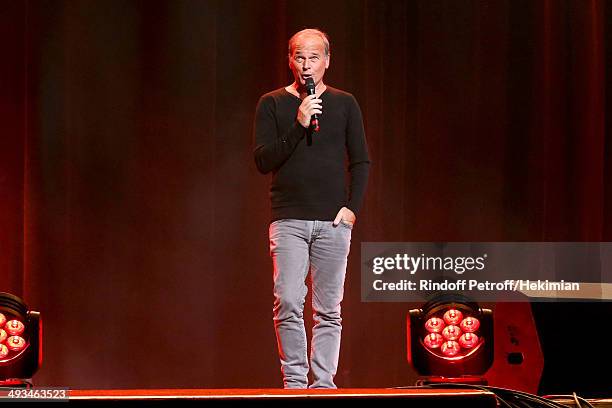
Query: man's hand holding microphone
{"type": "Point", "coordinates": [311, 108]}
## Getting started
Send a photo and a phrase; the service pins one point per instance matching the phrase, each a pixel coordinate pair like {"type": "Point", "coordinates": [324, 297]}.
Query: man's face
{"type": "Point", "coordinates": [308, 60]}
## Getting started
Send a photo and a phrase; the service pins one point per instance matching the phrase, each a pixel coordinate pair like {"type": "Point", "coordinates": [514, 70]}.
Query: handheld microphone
{"type": "Point", "coordinates": [310, 90]}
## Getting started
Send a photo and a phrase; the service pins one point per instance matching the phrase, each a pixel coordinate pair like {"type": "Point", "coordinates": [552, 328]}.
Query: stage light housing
{"type": "Point", "coordinates": [450, 337]}
{"type": "Point", "coordinates": [20, 341]}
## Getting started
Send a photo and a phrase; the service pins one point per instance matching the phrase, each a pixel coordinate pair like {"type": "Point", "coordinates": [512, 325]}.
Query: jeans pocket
{"type": "Point", "coordinates": [346, 224]}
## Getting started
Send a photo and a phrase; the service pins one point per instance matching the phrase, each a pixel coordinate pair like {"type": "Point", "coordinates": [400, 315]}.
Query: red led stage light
{"type": "Point", "coordinates": [20, 341]}
{"type": "Point", "coordinates": [14, 327]}
{"type": "Point", "coordinates": [434, 325]}
{"type": "Point", "coordinates": [450, 348]}
{"type": "Point", "coordinates": [15, 343]}
{"type": "Point", "coordinates": [453, 316]}
{"type": "Point", "coordinates": [468, 340]}
{"type": "Point", "coordinates": [433, 340]}
{"type": "Point", "coordinates": [469, 324]}
{"type": "Point", "coordinates": [451, 332]}
{"type": "Point", "coordinates": [455, 340]}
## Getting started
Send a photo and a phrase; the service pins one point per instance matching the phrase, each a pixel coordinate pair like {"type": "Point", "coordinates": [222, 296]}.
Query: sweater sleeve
{"type": "Point", "coordinates": [271, 148]}
{"type": "Point", "coordinates": [359, 161]}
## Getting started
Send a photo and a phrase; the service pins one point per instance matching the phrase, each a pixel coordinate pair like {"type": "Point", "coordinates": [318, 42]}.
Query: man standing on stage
{"type": "Point", "coordinates": [313, 210]}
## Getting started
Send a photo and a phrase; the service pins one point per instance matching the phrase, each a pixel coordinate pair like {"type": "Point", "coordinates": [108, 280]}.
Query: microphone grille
{"type": "Point", "coordinates": [310, 85]}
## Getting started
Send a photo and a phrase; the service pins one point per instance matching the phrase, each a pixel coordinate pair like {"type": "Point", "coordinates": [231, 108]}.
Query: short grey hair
{"type": "Point", "coordinates": [309, 31]}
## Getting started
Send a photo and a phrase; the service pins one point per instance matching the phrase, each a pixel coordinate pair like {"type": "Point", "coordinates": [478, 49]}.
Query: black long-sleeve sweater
{"type": "Point", "coordinates": [309, 182]}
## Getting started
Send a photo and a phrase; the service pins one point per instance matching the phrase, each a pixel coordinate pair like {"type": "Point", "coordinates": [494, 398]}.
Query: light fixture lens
{"type": "Point", "coordinates": [433, 340]}
{"type": "Point", "coordinates": [469, 324]}
{"type": "Point", "coordinates": [453, 316]}
{"type": "Point", "coordinates": [468, 340]}
{"type": "Point", "coordinates": [14, 327]}
{"type": "Point", "coordinates": [3, 351]}
{"type": "Point", "coordinates": [2, 319]}
{"type": "Point", "coordinates": [15, 343]}
{"type": "Point", "coordinates": [450, 348]}
{"type": "Point", "coordinates": [451, 332]}
{"type": "Point", "coordinates": [434, 325]}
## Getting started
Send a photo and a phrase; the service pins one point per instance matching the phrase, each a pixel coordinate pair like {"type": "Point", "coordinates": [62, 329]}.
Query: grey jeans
{"type": "Point", "coordinates": [297, 247]}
